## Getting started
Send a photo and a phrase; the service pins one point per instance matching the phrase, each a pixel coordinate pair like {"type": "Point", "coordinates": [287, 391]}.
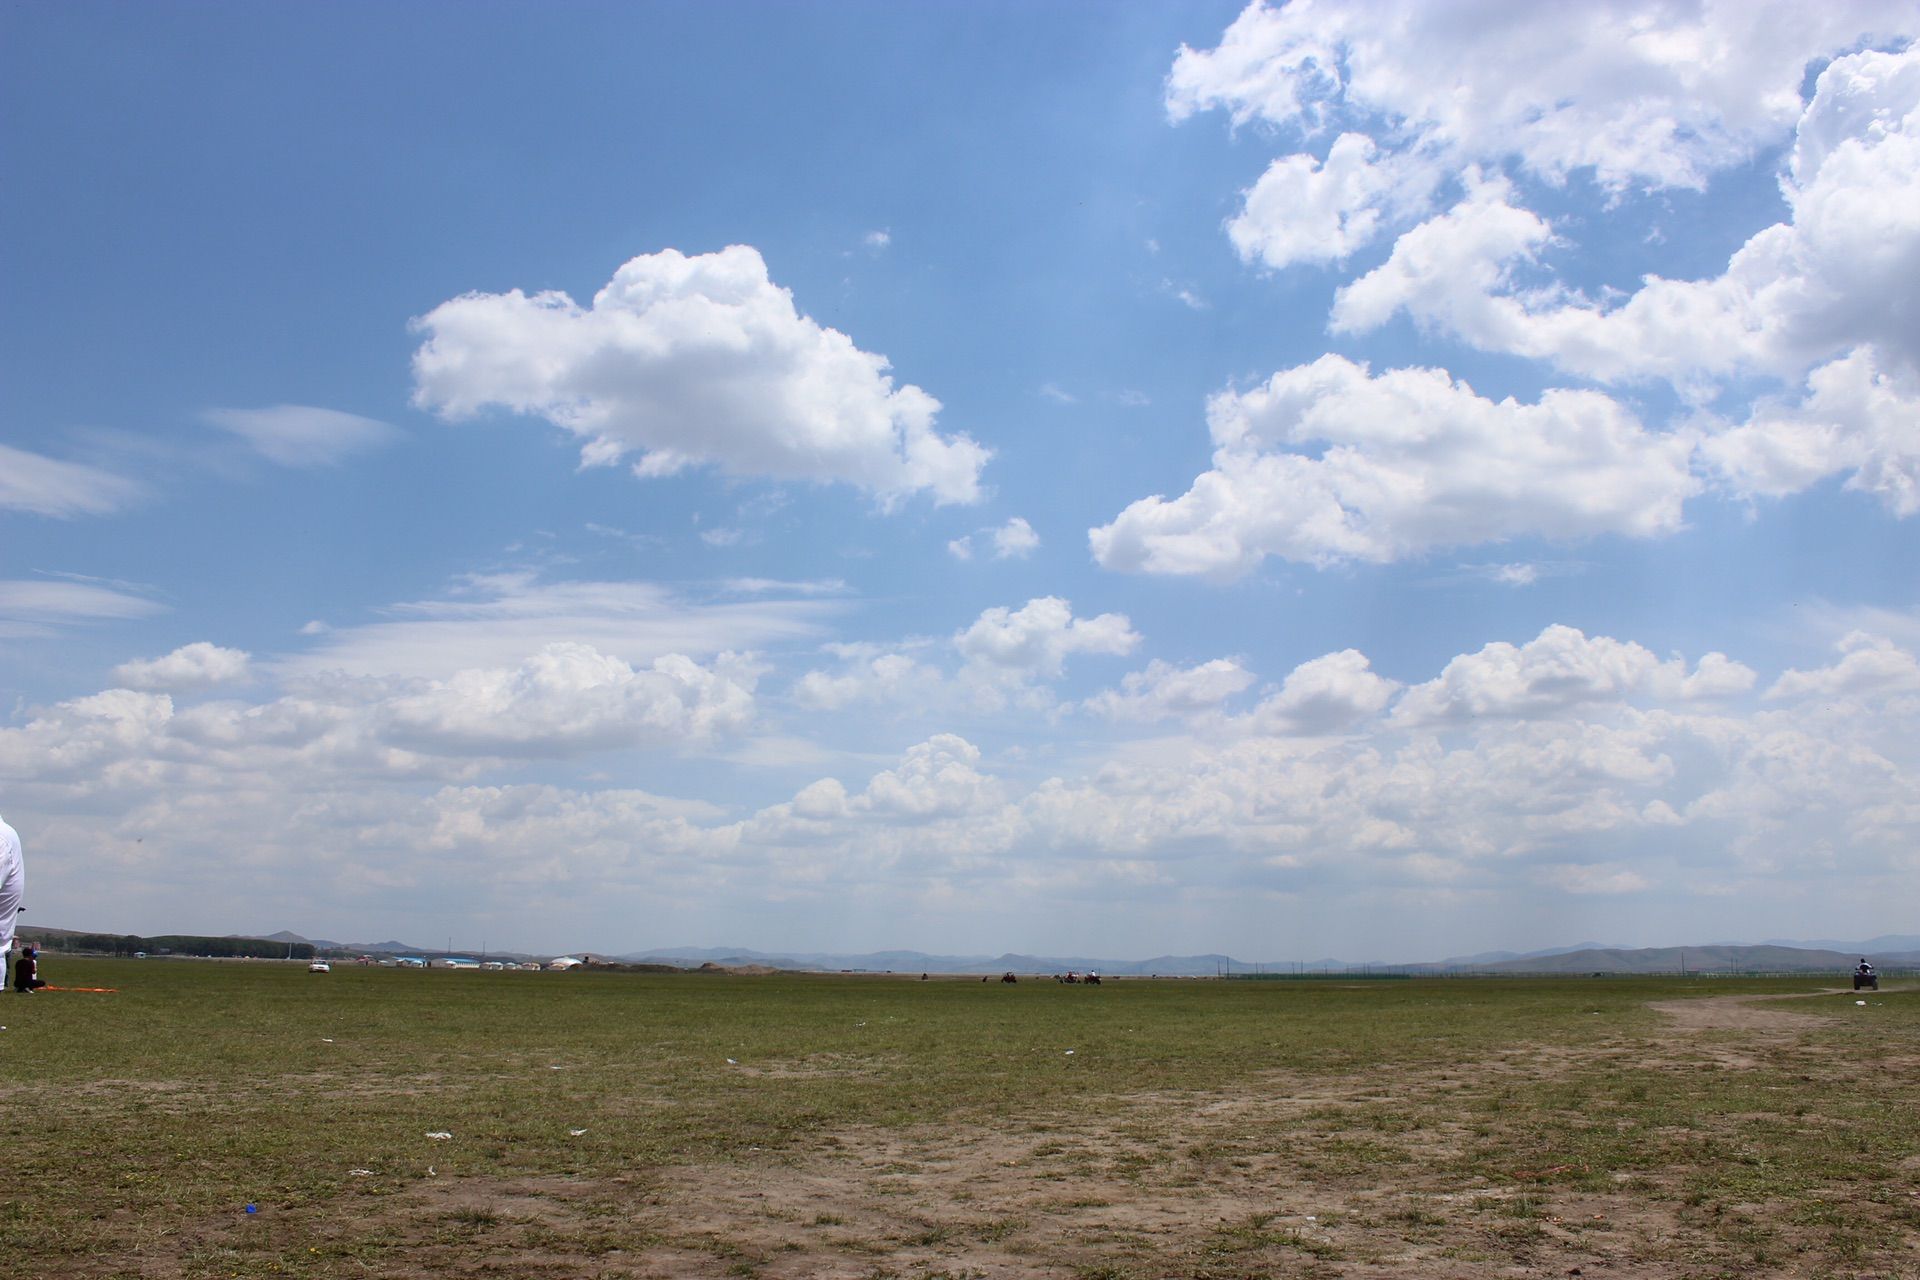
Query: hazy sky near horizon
{"type": "Point", "coordinates": [1377, 480]}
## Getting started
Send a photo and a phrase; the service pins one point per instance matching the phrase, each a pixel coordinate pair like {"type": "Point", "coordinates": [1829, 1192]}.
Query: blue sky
{"type": "Point", "coordinates": [1376, 480]}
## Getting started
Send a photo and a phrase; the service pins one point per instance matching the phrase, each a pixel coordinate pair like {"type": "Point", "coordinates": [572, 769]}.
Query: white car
{"type": "Point", "coordinates": [319, 966]}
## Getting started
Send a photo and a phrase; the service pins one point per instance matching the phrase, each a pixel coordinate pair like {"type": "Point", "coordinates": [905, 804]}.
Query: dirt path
{"type": "Point", "coordinates": [1739, 1013]}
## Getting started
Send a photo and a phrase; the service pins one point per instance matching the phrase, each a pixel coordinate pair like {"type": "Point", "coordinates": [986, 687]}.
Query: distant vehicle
{"type": "Point", "coordinates": [1864, 977]}
{"type": "Point", "coordinates": [319, 966]}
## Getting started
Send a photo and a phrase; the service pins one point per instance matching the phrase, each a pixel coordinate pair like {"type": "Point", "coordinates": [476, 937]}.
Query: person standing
{"type": "Point", "coordinates": [13, 882]}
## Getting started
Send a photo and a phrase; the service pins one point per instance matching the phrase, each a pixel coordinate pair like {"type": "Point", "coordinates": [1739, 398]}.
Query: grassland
{"type": "Point", "coordinates": [607, 1125]}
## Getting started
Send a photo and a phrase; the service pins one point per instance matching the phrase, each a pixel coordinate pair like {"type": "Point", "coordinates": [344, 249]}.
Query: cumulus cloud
{"type": "Point", "coordinates": [1325, 695]}
{"type": "Point", "coordinates": [936, 800]}
{"type": "Point", "coordinates": [1038, 638]}
{"type": "Point", "coordinates": [1797, 293]}
{"type": "Point", "coordinates": [44, 486]}
{"type": "Point", "coordinates": [200, 665]}
{"type": "Point", "coordinates": [1328, 462]}
{"type": "Point", "coordinates": [937, 778]}
{"type": "Point", "coordinates": [565, 701]}
{"type": "Point", "coordinates": [1868, 665]}
{"type": "Point", "coordinates": [296, 435]}
{"type": "Point", "coordinates": [569, 698]}
{"type": "Point", "coordinates": [1562, 668]}
{"type": "Point", "coordinates": [1014, 540]}
{"type": "Point", "coordinates": [868, 674]}
{"type": "Point", "coordinates": [1854, 419]}
{"type": "Point", "coordinates": [1557, 763]}
{"type": "Point", "coordinates": [695, 361]}
{"type": "Point", "coordinates": [1166, 692]}
{"type": "Point", "coordinates": [1311, 210]}
{"type": "Point", "coordinates": [1636, 95]}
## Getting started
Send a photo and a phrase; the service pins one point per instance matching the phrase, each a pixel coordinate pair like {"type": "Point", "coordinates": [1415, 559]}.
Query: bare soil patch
{"type": "Point", "coordinates": [1397, 1173]}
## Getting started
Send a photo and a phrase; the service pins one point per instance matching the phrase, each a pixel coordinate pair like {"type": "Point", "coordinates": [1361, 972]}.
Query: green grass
{"type": "Point", "coordinates": [138, 1125]}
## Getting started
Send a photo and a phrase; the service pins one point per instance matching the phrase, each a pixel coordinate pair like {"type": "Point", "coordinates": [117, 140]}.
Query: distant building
{"type": "Point", "coordinates": [564, 962]}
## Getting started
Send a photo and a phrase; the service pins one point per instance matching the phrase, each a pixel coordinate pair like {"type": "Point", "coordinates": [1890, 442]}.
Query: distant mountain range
{"type": "Point", "coordinates": [1581, 958]}
{"type": "Point", "coordinates": [1782, 956]}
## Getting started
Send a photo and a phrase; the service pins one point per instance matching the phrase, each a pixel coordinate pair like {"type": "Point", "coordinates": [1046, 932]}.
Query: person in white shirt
{"type": "Point", "coordinates": [13, 882]}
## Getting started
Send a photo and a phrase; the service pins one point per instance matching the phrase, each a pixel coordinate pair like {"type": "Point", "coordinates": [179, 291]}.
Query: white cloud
{"type": "Point", "coordinates": [780, 586]}
{"type": "Point", "coordinates": [1014, 540]}
{"type": "Point", "coordinates": [868, 675]}
{"type": "Point", "coordinates": [1638, 95]}
{"type": "Point", "coordinates": [194, 666]}
{"type": "Point", "coordinates": [937, 778]}
{"type": "Point", "coordinates": [1587, 769]}
{"type": "Point", "coordinates": [569, 698]}
{"type": "Point", "coordinates": [1854, 418]}
{"type": "Point", "coordinates": [877, 240]}
{"type": "Point", "coordinates": [296, 435]}
{"type": "Point", "coordinates": [494, 622]}
{"type": "Point", "coordinates": [691, 361]}
{"type": "Point", "coordinates": [1036, 639]}
{"type": "Point", "coordinates": [1796, 294]}
{"type": "Point", "coordinates": [565, 701]}
{"type": "Point", "coordinates": [1560, 669]}
{"type": "Point", "coordinates": [44, 486]}
{"type": "Point", "coordinates": [1451, 272]}
{"type": "Point", "coordinates": [1597, 879]}
{"type": "Point", "coordinates": [1327, 463]}
{"type": "Point", "coordinates": [1166, 692]}
{"type": "Point", "coordinates": [936, 804]}
{"type": "Point", "coordinates": [33, 607]}
{"type": "Point", "coordinates": [1326, 695]}
{"type": "Point", "coordinates": [1189, 299]}
{"type": "Point", "coordinates": [1048, 391]}
{"type": "Point", "coordinates": [1305, 209]}
{"type": "Point", "coordinates": [1869, 665]}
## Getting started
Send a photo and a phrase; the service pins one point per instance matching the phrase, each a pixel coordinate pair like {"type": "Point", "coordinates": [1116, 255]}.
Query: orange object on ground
{"type": "Point", "coordinates": [104, 990]}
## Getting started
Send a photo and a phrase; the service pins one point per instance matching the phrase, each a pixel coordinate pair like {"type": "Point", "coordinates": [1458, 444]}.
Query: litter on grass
{"type": "Point", "coordinates": [439, 1135]}
{"type": "Point", "coordinates": [359, 1173]}
{"type": "Point", "coordinates": [577, 1133]}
